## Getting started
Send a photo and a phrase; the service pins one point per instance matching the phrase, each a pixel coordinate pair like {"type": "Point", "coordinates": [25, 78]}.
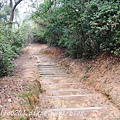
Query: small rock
{"type": "Point", "coordinates": [22, 101]}
{"type": "Point", "coordinates": [56, 107]}
{"type": "Point", "coordinates": [5, 86]}
{"type": "Point", "coordinates": [1, 106]}
{"type": "Point", "coordinates": [10, 100]}
{"type": "Point", "coordinates": [96, 105]}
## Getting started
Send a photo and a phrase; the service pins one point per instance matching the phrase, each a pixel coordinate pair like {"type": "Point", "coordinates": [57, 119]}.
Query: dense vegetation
{"type": "Point", "coordinates": [10, 44]}
{"type": "Point", "coordinates": [11, 40]}
{"type": "Point", "coordinates": [85, 28]}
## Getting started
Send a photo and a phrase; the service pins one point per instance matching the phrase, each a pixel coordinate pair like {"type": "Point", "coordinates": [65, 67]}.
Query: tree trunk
{"type": "Point", "coordinates": [11, 4]}
{"type": "Point", "coordinates": [12, 12]}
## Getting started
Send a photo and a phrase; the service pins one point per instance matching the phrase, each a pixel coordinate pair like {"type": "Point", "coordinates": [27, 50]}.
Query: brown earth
{"type": "Point", "coordinates": [20, 94]}
{"type": "Point", "coordinates": [102, 73]}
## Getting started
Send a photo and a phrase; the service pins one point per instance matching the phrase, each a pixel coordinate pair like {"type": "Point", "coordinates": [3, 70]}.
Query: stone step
{"type": "Point", "coordinates": [68, 96]}
{"type": "Point", "coordinates": [54, 76]}
{"type": "Point", "coordinates": [52, 72]}
{"type": "Point", "coordinates": [50, 84]}
{"type": "Point", "coordinates": [65, 92]}
{"type": "Point", "coordinates": [73, 109]}
{"type": "Point", "coordinates": [51, 64]}
{"type": "Point", "coordinates": [49, 68]}
{"type": "Point", "coordinates": [52, 79]}
{"type": "Point", "coordinates": [75, 90]}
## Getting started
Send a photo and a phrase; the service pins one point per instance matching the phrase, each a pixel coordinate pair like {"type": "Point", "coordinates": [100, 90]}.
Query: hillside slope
{"type": "Point", "coordinates": [102, 73]}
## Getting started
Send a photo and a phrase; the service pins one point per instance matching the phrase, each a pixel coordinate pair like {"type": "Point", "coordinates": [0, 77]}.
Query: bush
{"type": "Point", "coordinates": [10, 44]}
{"type": "Point", "coordinates": [84, 28]}
{"type": "Point", "coordinates": [6, 66]}
{"type": "Point", "coordinates": [115, 46]}
{"type": "Point", "coordinates": [38, 38]}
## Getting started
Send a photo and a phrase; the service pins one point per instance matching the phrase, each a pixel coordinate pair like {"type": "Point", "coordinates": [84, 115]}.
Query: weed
{"type": "Point", "coordinates": [85, 76]}
{"type": "Point", "coordinates": [22, 118]}
{"type": "Point", "coordinates": [88, 68]}
{"type": "Point", "coordinates": [42, 90]}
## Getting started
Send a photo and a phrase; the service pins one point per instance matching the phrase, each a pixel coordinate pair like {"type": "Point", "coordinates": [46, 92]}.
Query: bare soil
{"type": "Point", "coordinates": [28, 91]}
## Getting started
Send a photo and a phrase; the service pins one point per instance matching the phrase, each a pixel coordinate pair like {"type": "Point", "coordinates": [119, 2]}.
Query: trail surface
{"type": "Point", "coordinates": [63, 97]}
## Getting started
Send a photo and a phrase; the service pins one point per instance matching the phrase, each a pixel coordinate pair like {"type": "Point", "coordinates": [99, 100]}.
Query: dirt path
{"type": "Point", "coordinates": [65, 97]}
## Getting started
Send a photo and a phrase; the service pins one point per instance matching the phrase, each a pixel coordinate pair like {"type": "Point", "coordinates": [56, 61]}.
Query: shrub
{"type": "Point", "coordinates": [84, 28]}
{"type": "Point", "coordinates": [10, 43]}
{"type": "Point", "coordinates": [115, 46]}
{"type": "Point", "coordinates": [37, 37]}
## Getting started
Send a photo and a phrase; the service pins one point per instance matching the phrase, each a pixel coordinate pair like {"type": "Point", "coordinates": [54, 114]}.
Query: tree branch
{"type": "Point", "coordinates": [12, 11]}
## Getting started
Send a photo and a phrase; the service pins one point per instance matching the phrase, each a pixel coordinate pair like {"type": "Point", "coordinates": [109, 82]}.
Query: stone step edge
{"type": "Point", "coordinates": [73, 109]}
{"type": "Point", "coordinates": [66, 96]}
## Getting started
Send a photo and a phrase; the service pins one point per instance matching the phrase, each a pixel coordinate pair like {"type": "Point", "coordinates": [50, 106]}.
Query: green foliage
{"type": "Point", "coordinates": [84, 28]}
{"type": "Point", "coordinates": [22, 118]}
{"type": "Point", "coordinates": [10, 44]}
{"type": "Point", "coordinates": [115, 46]}
{"type": "Point", "coordinates": [104, 24]}
{"type": "Point", "coordinates": [39, 37]}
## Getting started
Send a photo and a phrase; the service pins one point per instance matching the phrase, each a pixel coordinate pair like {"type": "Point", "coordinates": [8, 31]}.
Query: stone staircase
{"type": "Point", "coordinates": [68, 99]}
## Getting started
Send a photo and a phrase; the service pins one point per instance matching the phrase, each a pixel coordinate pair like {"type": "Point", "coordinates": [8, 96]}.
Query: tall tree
{"type": "Point", "coordinates": [13, 9]}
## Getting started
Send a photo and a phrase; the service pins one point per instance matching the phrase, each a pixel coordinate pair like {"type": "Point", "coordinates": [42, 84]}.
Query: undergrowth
{"type": "Point", "coordinates": [10, 44]}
